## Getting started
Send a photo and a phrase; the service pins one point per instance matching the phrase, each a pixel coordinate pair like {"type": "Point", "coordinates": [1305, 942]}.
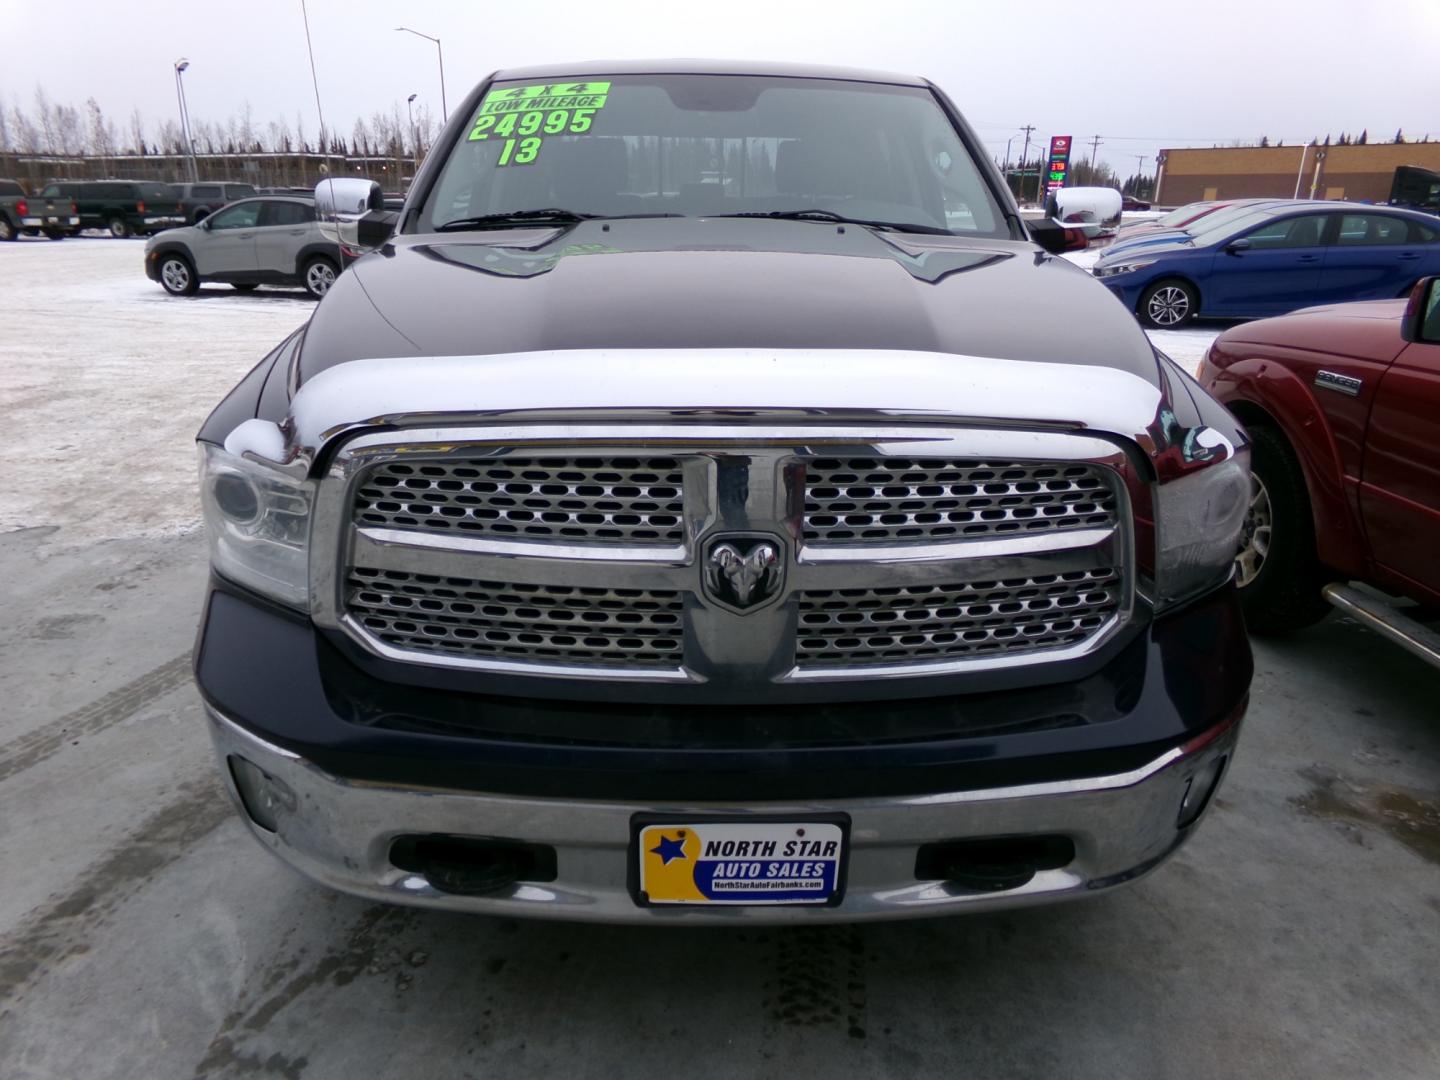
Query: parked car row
{"type": "Point", "coordinates": [1257, 258]}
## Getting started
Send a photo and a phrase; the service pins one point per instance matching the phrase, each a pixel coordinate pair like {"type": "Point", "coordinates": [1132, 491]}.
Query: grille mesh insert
{"type": "Point", "coordinates": [855, 627]}
{"type": "Point", "coordinates": [578, 499]}
{"type": "Point", "coordinates": [858, 500]}
{"type": "Point", "coordinates": [488, 620]}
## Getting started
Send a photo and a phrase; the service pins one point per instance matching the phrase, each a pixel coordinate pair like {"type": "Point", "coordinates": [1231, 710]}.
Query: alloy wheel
{"type": "Point", "coordinates": [1255, 536]}
{"type": "Point", "coordinates": [176, 275]}
{"type": "Point", "coordinates": [1168, 306]}
{"type": "Point", "coordinates": [7, 231]}
{"type": "Point", "coordinates": [319, 278]}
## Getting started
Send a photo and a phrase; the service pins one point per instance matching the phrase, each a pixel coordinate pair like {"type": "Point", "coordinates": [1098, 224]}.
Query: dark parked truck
{"type": "Point", "coordinates": [22, 214]}
{"type": "Point", "coordinates": [121, 207]}
{"type": "Point", "coordinates": [682, 515]}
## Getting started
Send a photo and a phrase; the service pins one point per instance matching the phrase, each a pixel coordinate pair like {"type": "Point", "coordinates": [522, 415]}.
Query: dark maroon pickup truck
{"type": "Point", "coordinates": [1343, 405]}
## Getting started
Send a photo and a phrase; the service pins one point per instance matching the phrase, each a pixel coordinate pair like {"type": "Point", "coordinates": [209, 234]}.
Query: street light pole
{"type": "Point", "coordinates": [180, 66]}
{"type": "Point", "coordinates": [414, 135]}
{"type": "Point", "coordinates": [444, 108]}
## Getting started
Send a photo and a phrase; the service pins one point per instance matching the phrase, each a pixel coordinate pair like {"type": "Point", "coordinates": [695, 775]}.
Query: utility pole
{"type": "Point", "coordinates": [1139, 173]}
{"type": "Point", "coordinates": [1024, 154]}
{"type": "Point", "coordinates": [1094, 145]}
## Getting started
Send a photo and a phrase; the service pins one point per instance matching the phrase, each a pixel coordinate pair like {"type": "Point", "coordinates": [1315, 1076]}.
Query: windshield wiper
{"type": "Point", "coordinates": [830, 215]}
{"type": "Point", "coordinates": [551, 216]}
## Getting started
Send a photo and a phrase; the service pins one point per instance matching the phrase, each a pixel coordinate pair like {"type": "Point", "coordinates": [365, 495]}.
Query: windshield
{"type": "Point", "coordinates": [1183, 214]}
{"type": "Point", "coordinates": [1226, 219]}
{"type": "Point", "coordinates": [707, 145]}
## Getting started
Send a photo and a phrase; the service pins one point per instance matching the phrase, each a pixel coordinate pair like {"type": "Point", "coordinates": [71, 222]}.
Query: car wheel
{"type": "Point", "coordinates": [7, 231]}
{"type": "Point", "coordinates": [177, 276]}
{"type": "Point", "coordinates": [1276, 569]}
{"type": "Point", "coordinates": [319, 276]}
{"type": "Point", "coordinates": [118, 228]}
{"type": "Point", "coordinates": [242, 286]}
{"type": "Point", "coordinates": [1168, 304]}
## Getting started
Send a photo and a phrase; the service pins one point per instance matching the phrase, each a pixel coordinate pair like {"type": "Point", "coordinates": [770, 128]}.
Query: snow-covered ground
{"type": "Point", "coordinates": [105, 380]}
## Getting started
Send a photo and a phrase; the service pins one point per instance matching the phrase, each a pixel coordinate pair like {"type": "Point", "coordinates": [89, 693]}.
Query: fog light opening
{"type": "Point", "coordinates": [264, 797]}
{"type": "Point", "coordinates": [992, 864]}
{"type": "Point", "coordinates": [473, 865]}
{"type": "Point", "coordinates": [1198, 790]}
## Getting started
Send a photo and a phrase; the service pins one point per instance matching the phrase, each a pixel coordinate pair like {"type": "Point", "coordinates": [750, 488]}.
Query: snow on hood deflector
{"type": "Point", "coordinates": [704, 385]}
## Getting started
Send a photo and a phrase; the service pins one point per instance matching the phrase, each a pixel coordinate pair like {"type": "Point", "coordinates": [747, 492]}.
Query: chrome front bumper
{"type": "Point", "coordinates": [340, 832]}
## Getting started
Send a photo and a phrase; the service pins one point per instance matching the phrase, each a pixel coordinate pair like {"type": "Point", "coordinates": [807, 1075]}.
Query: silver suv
{"type": "Point", "coordinates": [265, 241]}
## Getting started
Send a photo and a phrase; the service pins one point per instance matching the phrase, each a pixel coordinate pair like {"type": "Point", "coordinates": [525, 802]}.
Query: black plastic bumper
{"type": "Point", "coordinates": [274, 673]}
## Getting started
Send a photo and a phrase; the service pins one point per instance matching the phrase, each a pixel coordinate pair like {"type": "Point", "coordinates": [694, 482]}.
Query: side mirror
{"type": "Point", "coordinates": [346, 208]}
{"type": "Point", "coordinates": [1234, 247]}
{"type": "Point", "coordinates": [1056, 238]}
{"type": "Point", "coordinates": [347, 198]}
{"type": "Point", "coordinates": [375, 228]}
{"type": "Point", "coordinates": [1422, 313]}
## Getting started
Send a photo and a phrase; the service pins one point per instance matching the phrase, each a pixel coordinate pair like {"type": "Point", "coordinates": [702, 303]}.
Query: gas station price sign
{"type": "Point", "coordinates": [1059, 169]}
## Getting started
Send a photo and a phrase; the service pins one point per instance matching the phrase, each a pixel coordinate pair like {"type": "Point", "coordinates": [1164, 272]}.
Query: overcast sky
{"type": "Point", "coordinates": [1216, 71]}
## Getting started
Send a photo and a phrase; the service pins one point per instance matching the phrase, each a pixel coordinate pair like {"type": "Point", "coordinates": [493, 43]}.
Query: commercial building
{"type": "Point", "coordinates": [1361, 173]}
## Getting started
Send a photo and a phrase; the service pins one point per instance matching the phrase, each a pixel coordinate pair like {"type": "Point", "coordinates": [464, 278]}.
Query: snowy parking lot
{"type": "Point", "coordinates": [143, 932]}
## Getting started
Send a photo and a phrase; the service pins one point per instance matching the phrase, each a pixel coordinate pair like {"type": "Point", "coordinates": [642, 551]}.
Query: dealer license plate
{"type": "Point", "coordinates": [739, 861]}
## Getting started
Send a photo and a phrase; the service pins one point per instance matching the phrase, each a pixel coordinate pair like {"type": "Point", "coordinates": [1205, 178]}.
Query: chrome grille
{"type": "Point", "coordinates": [508, 621]}
{"type": "Point", "coordinates": [856, 627]}
{"type": "Point", "coordinates": [631, 500]}
{"type": "Point", "coordinates": [857, 500]}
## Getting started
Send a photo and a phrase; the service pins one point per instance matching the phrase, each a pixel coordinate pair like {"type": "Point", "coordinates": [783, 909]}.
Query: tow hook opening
{"type": "Point", "coordinates": [473, 865]}
{"type": "Point", "coordinates": [1198, 790]}
{"type": "Point", "coordinates": [992, 864]}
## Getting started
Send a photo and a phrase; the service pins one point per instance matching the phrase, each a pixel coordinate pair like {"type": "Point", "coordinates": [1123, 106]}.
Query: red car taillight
{"type": "Point", "coordinates": [74, 208]}
{"type": "Point", "coordinates": [139, 207]}
{"type": "Point", "coordinates": [22, 208]}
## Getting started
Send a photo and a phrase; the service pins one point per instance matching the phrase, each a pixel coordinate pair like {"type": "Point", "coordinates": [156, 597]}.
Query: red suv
{"type": "Point", "coordinates": [1343, 404]}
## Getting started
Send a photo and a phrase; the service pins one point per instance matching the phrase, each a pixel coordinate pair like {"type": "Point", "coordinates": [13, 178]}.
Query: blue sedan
{"type": "Point", "coordinates": [1275, 258]}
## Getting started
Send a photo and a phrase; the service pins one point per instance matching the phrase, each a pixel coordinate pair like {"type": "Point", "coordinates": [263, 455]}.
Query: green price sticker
{"type": "Point", "coordinates": [523, 115]}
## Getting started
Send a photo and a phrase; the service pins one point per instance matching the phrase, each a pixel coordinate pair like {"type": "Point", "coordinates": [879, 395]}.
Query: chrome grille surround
{"type": "Point", "coordinates": [861, 500]}
{"type": "Point", "coordinates": [551, 623]}
{"type": "Point", "coordinates": [579, 499]}
{"type": "Point", "coordinates": [899, 624]}
{"type": "Point", "coordinates": [736, 478]}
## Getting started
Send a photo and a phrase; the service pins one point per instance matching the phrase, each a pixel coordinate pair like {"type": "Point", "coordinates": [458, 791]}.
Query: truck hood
{"type": "Point", "coordinates": [673, 284]}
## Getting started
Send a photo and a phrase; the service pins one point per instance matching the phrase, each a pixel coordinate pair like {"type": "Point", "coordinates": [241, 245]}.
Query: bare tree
{"type": "Point", "coordinates": [4, 128]}
{"type": "Point", "coordinates": [46, 120]}
{"type": "Point", "coordinates": [104, 139]}
{"type": "Point", "coordinates": [137, 132]}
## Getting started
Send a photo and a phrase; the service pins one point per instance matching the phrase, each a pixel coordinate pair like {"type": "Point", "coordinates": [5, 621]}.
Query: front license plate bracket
{"type": "Point", "coordinates": [731, 874]}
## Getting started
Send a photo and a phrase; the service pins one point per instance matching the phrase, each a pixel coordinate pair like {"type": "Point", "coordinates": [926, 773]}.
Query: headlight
{"type": "Point", "coordinates": [1198, 518]}
{"type": "Point", "coordinates": [1121, 268]}
{"type": "Point", "coordinates": [258, 521]}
